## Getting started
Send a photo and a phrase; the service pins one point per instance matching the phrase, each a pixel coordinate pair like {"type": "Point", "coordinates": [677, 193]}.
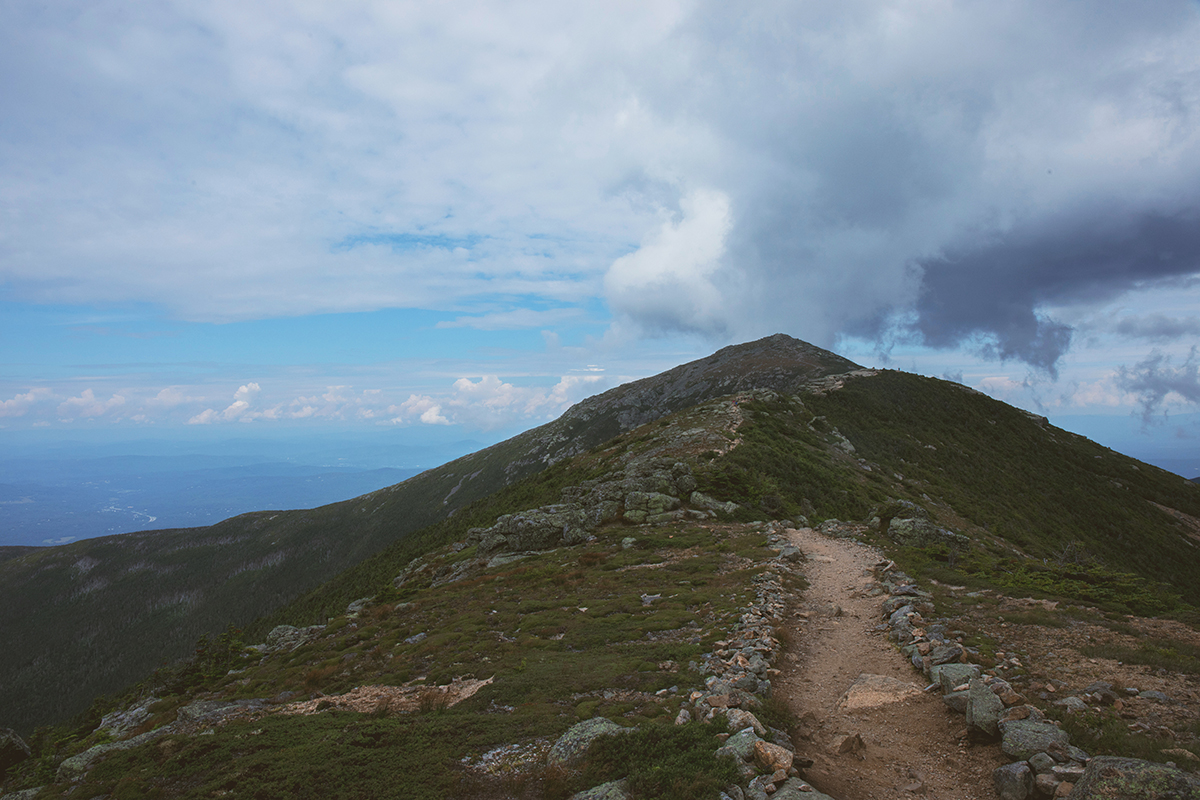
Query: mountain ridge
{"type": "Point", "coordinates": [134, 588]}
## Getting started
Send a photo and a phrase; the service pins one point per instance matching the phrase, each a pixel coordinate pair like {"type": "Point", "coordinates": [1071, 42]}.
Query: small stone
{"type": "Point", "coordinates": [1064, 789]}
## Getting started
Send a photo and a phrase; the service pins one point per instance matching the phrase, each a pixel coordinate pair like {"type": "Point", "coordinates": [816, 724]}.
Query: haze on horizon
{"type": "Point", "coordinates": [283, 219]}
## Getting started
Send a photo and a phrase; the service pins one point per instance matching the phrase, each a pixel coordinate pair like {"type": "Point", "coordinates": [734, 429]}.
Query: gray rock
{"type": "Point", "coordinates": [640, 506]}
{"type": "Point", "coordinates": [922, 533]}
{"type": "Point", "coordinates": [1013, 781]}
{"type": "Point", "coordinates": [613, 790]}
{"type": "Point", "coordinates": [796, 789]}
{"type": "Point", "coordinates": [983, 711]}
{"type": "Point", "coordinates": [504, 558]}
{"type": "Point", "coordinates": [701, 500]}
{"type": "Point", "coordinates": [211, 710]}
{"type": "Point", "coordinates": [119, 723]}
{"type": "Point", "coordinates": [946, 654]}
{"type": "Point", "coordinates": [1154, 695]}
{"type": "Point", "coordinates": [951, 676]}
{"type": "Point", "coordinates": [1133, 779]}
{"type": "Point", "coordinates": [24, 794]}
{"type": "Point", "coordinates": [1045, 784]}
{"type": "Point", "coordinates": [1072, 704]}
{"type": "Point", "coordinates": [957, 701]}
{"type": "Point", "coordinates": [1023, 738]}
{"type": "Point", "coordinates": [13, 750]}
{"type": "Point", "coordinates": [1041, 763]}
{"type": "Point", "coordinates": [740, 745]}
{"type": "Point", "coordinates": [77, 766]}
{"type": "Point", "coordinates": [285, 638]}
{"type": "Point", "coordinates": [572, 746]}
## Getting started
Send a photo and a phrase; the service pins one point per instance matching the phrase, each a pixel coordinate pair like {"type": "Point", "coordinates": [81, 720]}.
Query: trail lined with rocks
{"type": "Point", "coordinates": [867, 725]}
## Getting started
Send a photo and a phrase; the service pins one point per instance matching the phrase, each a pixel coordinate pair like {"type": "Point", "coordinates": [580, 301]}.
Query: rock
{"type": "Point", "coordinates": [24, 794]}
{"type": "Point", "coordinates": [1158, 697]}
{"type": "Point", "coordinates": [740, 745]}
{"type": "Point", "coordinates": [76, 766]}
{"type": "Point", "coordinates": [13, 750]}
{"type": "Point", "coordinates": [285, 638]}
{"type": "Point", "coordinates": [639, 506]}
{"type": "Point", "coordinates": [613, 790]}
{"type": "Point", "coordinates": [1045, 783]}
{"type": "Point", "coordinates": [571, 746]}
{"type": "Point", "coordinates": [700, 500]}
{"type": "Point", "coordinates": [1072, 704]}
{"type": "Point", "coordinates": [923, 533]}
{"type": "Point", "coordinates": [740, 720]}
{"type": "Point", "coordinates": [983, 711]}
{"type": "Point", "coordinates": [957, 701]}
{"type": "Point", "coordinates": [1134, 779]}
{"type": "Point", "coordinates": [849, 744]}
{"type": "Point", "coordinates": [772, 757]}
{"type": "Point", "coordinates": [1013, 781]}
{"type": "Point", "coordinates": [210, 710]}
{"type": "Point", "coordinates": [796, 789]}
{"type": "Point", "coordinates": [1064, 789]}
{"type": "Point", "coordinates": [119, 723]}
{"type": "Point", "coordinates": [951, 676]}
{"type": "Point", "coordinates": [683, 717]}
{"type": "Point", "coordinates": [1041, 763]}
{"type": "Point", "coordinates": [628, 542]}
{"type": "Point", "coordinates": [356, 607]}
{"type": "Point", "coordinates": [946, 654]}
{"type": "Point", "coordinates": [1022, 738]}
{"type": "Point", "coordinates": [872, 691]}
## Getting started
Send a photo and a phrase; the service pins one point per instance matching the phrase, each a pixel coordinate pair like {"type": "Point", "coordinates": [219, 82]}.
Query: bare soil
{"type": "Point", "coordinates": [911, 744]}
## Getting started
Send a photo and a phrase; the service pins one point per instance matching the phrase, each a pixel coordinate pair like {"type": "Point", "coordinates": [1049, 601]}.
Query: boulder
{"type": "Point", "coordinates": [285, 638]}
{"type": "Point", "coordinates": [1013, 781]}
{"type": "Point", "coordinates": [740, 745]}
{"type": "Point", "coordinates": [701, 500]}
{"type": "Point", "coordinates": [1133, 779]}
{"type": "Point", "coordinates": [951, 676]}
{"type": "Point", "coordinates": [949, 653]}
{"type": "Point", "coordinates": [119, 723]}
{"type": "Point", "coordinates": [571, 747]}
{"type": "Point", "coordinates": [640, 506]}
{"type": "Point", "coordinates": [923, 533]}
{"type": "Point", "coordinates": [772, 757]}
{"type": "Point", "coordinates": [957, 701]}
{"type": "Point", "coordinates": [983, 711]}
{"type": "Point", "coordinates": [1023, 738]}
{"type": "Point", "coordinates": [740, 719]}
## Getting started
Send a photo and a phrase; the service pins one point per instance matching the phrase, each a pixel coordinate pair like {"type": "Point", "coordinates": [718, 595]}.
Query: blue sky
{"type": "Point", "coordinates": [308, 217]}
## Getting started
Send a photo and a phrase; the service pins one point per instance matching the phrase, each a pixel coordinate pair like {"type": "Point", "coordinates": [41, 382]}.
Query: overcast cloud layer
{"type": "Point", "coordinates": [1004, 179]}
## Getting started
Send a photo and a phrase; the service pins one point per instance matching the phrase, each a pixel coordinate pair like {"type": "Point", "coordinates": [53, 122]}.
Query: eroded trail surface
{"type": "Point", "coordinates": [885, 740]}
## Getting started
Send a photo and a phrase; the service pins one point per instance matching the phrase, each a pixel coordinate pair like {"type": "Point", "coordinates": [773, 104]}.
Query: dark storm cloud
{"type": "Point", "coordinates": [993, 291]}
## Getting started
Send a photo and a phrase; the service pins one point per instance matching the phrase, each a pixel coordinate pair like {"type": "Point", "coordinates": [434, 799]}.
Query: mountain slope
{"type": "Point", "coordinates": [92, 616]}
{"type": "Point", "coordinates": [603, 614]}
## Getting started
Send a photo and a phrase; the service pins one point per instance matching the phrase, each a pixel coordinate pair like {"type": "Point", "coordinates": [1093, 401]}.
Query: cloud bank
{"type": "Point", "coordinates": [957, 174]}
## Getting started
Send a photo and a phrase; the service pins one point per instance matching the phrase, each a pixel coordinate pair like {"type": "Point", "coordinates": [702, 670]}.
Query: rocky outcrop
{"type": "Point", "coordinates": [570, 748]}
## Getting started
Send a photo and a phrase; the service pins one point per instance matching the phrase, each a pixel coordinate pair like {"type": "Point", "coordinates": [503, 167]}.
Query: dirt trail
{"type": "Point", "coordinates": [910, 747]}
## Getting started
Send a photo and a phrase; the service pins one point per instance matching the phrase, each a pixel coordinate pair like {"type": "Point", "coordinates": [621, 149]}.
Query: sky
{"type": "Point", "coordinates": [464, 217]}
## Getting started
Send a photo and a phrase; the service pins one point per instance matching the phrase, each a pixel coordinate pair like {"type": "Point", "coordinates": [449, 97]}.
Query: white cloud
{"type": "Point", "coordinates": [88, 406]}
{"type": "Point", "coordinates": [489, 403]}
{"type": "Point", "coordinates": [669, 282]}
{"type": "Point", "coordinates": [20, 404]}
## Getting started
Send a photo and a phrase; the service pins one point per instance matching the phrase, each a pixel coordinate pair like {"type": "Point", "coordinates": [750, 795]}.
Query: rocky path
{"type": "Point", "coordinates": [884, 740]}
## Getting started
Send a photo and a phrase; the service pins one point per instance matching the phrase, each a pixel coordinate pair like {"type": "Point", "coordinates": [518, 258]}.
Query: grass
{"type": "Point", "coordinates": [662, 762]}
{"type": "Point", "coordinates": [565, 634]}
{"type": "Point", "coordinates": [1158, 653]}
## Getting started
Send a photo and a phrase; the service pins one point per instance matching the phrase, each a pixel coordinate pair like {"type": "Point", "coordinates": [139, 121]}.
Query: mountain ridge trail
{"type": "Point", "coordinates": [909, 743]}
